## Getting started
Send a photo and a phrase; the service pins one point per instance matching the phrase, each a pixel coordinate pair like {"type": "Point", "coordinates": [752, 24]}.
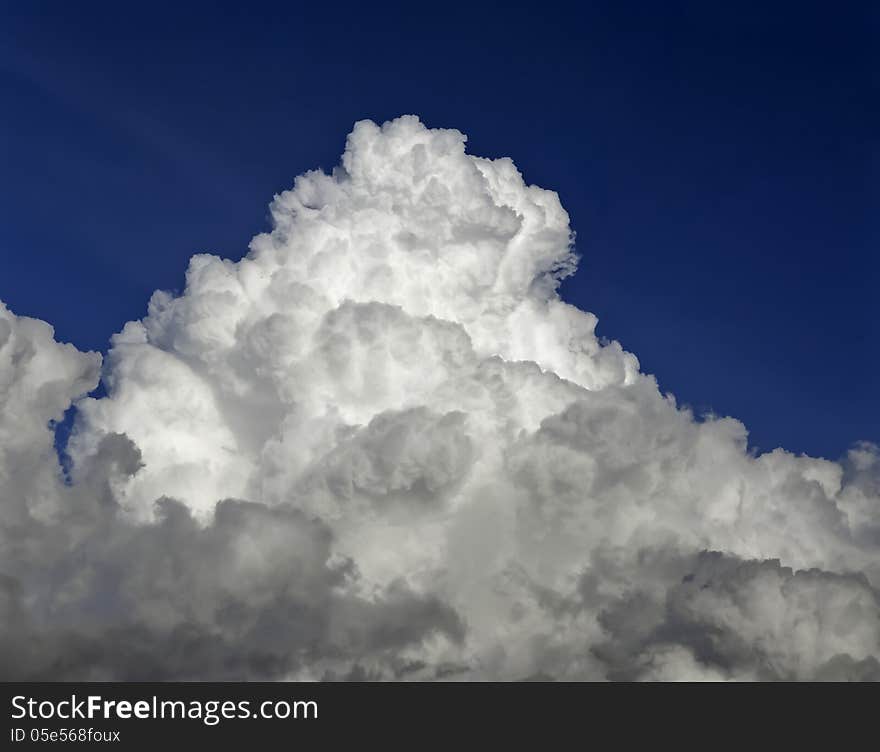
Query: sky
{"type": "Point", "coordinates": [440, 394]}
{"type": "Point", "coordinates": [719, 166]}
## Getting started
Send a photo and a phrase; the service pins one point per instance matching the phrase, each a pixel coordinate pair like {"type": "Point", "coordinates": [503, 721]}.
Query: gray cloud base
{"type": "Point", "coordinates": [380, 446]}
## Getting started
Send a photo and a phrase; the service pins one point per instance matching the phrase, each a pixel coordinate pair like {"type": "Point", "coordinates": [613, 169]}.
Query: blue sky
{"type": "Point", "coordinates": [720, 167]}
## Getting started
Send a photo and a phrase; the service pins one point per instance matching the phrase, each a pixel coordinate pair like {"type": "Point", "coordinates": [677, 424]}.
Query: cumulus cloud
{"type": "Point", "coordinates": [381, 446]}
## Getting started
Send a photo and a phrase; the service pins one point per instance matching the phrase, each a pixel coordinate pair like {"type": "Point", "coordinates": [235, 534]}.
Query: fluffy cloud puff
{"type": "Point", "coordinates": [380, 446]}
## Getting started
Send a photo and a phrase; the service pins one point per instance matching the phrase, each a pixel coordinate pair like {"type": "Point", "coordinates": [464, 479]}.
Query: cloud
{"type": "Point", "coordinates": [380, 446]}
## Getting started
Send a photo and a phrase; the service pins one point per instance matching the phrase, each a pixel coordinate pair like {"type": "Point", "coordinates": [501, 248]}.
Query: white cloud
{"type": "Point", "coordinates": [445, 472]}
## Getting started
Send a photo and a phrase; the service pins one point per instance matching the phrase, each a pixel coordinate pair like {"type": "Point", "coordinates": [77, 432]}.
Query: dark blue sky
{"type": "Point", "coordinates": [720, 166]}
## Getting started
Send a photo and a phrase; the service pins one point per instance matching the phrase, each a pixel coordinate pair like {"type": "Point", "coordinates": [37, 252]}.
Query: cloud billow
{"type": "Point", "coordinates": [381, 446]}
